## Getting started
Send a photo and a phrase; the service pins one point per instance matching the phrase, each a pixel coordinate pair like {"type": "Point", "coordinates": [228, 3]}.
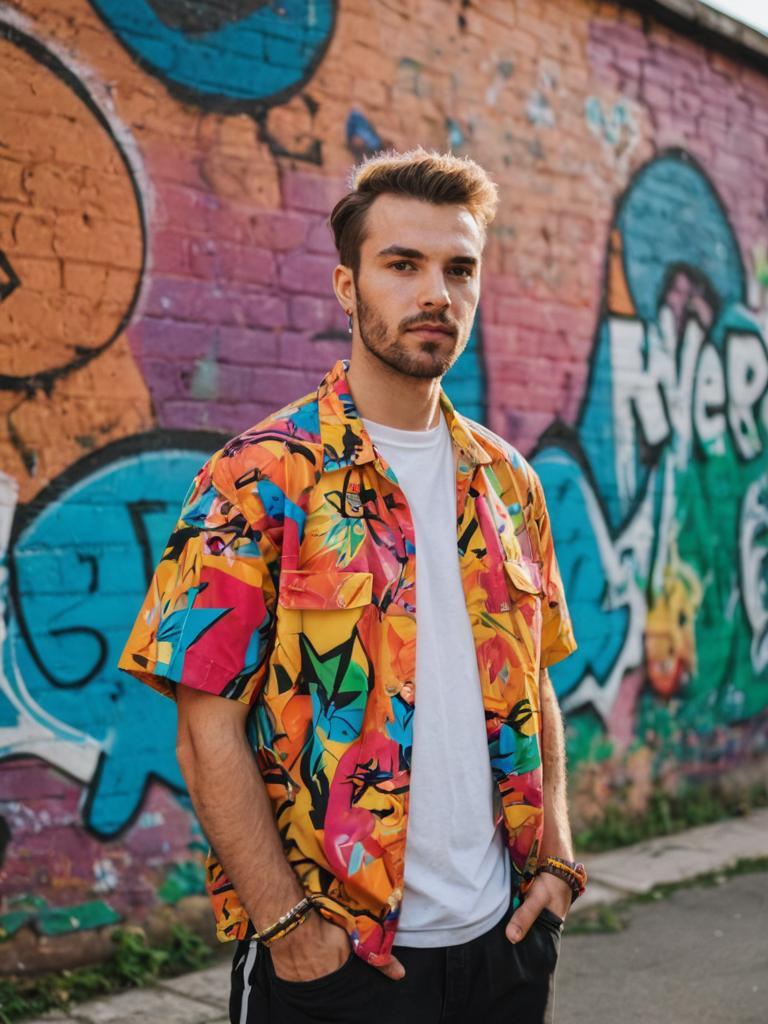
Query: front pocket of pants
{"type": "Point", "coordinates": [312, 984]}
{"type": "Point", "coordinates": [549, 918]}
{"type": "Point", "coordinates": [547, 931]}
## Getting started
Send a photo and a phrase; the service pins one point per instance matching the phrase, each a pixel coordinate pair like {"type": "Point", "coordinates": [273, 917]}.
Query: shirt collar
{"type": "Point", "coordinates": [346, 441]}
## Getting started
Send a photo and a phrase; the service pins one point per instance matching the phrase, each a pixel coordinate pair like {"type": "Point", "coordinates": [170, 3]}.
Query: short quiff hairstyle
{"type": "Point", "coordinates": [440, 178]}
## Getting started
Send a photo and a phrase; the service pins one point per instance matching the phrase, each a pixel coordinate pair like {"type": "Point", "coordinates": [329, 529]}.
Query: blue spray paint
{"type": "Point", "coordinates": [81, 561]}
{"type": "Point", "coordinates": [236, 58]}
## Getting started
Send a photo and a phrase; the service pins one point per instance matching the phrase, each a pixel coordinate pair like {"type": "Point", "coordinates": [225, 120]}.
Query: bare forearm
{"type": "Point", "coordinates": [234, 810]}
{"type": "Point", "coordinates": [557, 830]}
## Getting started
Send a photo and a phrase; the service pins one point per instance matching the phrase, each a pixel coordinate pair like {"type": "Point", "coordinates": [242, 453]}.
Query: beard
{"type": "Point", "coordinates": [430, 361]}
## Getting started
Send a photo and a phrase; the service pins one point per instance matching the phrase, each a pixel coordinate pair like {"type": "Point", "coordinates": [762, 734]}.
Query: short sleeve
{"type": "Point", "coordinates": [207, 620]}
{"type": "Point", "coordinates": [557, 639]}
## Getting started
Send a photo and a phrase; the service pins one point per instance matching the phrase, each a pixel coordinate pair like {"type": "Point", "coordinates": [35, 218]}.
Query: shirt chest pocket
{"type": "Point", "coordinates": [516, 582]}
{"type": "Point", "coordinates": [523, 578]}
{"type": "Point", "coordinates": [508, 640]}
{"type": "Point", "coordinates": [518, 594]}
{"type": "Point", "coordinates": [318, 614]}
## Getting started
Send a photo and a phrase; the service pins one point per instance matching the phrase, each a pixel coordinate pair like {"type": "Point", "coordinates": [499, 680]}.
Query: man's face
{"type": "Point", "coordinates": [418, 284]}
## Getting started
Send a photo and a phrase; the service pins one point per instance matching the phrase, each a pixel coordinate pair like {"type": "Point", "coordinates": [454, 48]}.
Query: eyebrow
{"type": "Point", "coordinates": [415, 254]}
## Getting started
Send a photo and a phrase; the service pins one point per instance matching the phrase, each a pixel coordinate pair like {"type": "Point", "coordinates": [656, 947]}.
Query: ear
{"type": "Point", "coordinates": [344, 286]}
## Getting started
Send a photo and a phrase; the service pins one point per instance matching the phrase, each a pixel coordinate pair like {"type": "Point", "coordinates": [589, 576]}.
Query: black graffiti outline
{"type": "Point", "coordinates": [190, 18]}
{"type": "Point", "coordinates": [313, 154]}
{"type": "Point", "coordinates": [93, 789]}
{"type": "Point", "coordinates": [136, 512]}
{"type": "Point", "coordinates": [7, 288]}
{"type": "Point", "coordinates": [136, 444]}
{"type": "Point", "coordinates": [44, 380]}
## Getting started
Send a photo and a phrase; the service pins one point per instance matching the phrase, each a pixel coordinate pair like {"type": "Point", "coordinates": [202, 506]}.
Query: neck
{"type": "Point", "coordinates": [393, 399]}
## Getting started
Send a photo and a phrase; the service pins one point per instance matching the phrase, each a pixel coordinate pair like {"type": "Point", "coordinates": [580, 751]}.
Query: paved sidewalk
{"type": "Point", "coordinates": [201, 998]}
{"type": "Point", "coordinates": [635, 870]}
{"type": "Point", "coordinates": [697, 956]}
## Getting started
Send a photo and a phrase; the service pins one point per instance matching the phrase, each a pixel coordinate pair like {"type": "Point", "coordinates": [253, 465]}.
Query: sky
{"type": "Point", "coordinates": [752, 12]}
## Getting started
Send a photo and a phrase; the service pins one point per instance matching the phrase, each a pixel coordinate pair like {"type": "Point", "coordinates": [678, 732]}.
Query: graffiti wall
{"type": "Point", "coordinates": [166, 171]}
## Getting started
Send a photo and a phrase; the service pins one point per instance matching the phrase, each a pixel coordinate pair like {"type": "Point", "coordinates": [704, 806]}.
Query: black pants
{"type": "Point", "coordinates": [487, 979]}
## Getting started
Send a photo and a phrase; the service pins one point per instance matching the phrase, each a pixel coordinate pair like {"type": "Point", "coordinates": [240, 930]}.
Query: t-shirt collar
{"type": "Point", "coordinates": [346, 441]}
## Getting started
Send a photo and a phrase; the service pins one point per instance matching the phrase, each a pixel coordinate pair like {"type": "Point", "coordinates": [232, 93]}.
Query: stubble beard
{"type": "Point", "coordinates": [393, 353]}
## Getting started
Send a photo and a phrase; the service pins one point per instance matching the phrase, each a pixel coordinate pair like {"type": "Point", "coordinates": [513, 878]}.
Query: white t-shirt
{"type": "Point", "coordinates": [456, 865]}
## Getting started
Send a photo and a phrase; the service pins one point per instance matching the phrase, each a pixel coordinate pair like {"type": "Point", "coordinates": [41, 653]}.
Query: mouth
{"type": "Point", "coordinates": [432, 331]}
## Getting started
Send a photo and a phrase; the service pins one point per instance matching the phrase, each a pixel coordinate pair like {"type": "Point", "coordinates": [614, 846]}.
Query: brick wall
{"type": "Point", "coordinates": [165, 176]}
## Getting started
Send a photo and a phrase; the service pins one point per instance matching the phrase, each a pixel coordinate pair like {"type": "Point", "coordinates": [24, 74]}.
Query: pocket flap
{"type": "Point", "coordinates": [328, 590]}
{"type": "Point", "coordinates": [524, 575]}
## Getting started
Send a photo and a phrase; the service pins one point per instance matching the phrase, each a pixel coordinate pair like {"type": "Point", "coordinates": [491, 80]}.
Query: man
{"type": "Point", "coordinates": [354, 614]}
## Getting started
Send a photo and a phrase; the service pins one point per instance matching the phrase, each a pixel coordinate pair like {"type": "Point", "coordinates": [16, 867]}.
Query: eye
{"type": "Point", "coordinates": [402, 265]}
{"type": "Point", "coordinates": [462, 271]}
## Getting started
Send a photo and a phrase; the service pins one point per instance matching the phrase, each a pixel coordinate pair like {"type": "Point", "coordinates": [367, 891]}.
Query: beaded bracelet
{"type": "Point", "coordinates": [285, 924]}
{"type": "Point", "coordinates": [572, 872]}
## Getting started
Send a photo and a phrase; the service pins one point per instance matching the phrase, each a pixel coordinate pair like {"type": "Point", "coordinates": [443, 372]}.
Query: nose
{"type": "Point", "coordinates": [435, 295]}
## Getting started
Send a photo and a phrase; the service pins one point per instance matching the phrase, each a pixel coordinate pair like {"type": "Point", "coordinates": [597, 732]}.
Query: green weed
{"type": "Point", "coordinates": [607, 917]}
{"type": "Point", "coordinates": [132, 964]}
{"type": "Point", "coordinates": [667, 814]}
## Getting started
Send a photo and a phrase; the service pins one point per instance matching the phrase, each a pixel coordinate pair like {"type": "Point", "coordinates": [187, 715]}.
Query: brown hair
{"type": "Point", "coordinates": [434, 177]}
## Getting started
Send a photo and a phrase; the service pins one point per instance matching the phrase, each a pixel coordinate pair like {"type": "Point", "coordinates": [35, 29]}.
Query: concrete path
{"type": "Point", "coordinates": [199, 998]}
{"type": "Point", "coordinates": [699, 956]}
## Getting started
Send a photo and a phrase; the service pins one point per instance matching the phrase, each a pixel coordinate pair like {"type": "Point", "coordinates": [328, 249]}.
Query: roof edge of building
{"type": "Point", "coordinates": [711, 27]}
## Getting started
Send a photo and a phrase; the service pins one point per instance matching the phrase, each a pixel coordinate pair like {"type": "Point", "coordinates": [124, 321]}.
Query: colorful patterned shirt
{"type": "Point", "coordinates": [289, 583]}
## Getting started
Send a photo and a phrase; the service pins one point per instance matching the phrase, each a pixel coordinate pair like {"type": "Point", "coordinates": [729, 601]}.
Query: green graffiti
{"type": "Point", "coordinates": [184, 879]}
{"type": "Point", "coordinates": [663, 547]}
{"type": "Point", "coordinates": [11, 922]}
{"type": "Point", "coordinates": [76, 918]}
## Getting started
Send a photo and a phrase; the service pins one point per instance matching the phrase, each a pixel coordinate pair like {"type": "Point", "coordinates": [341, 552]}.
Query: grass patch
{"type": "Point", "coordinates": [132, 964]}
{"type": "Point", "coordinates": [606, 917]}
{"type": "Point", "coordinates": [667, 814]}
